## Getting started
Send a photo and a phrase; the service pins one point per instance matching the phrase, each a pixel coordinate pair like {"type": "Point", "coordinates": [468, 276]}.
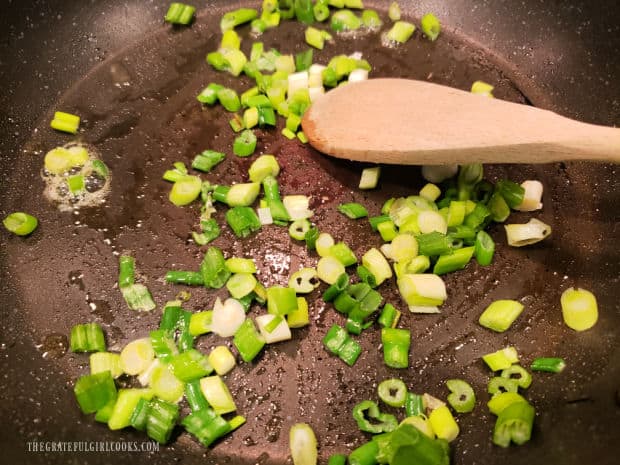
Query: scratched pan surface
{"type": "Point", "coordinates": [139, 110]}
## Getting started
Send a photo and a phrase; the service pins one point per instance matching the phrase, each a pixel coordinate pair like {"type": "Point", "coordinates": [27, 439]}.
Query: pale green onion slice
{"type": "Point", "coordinates": [482, 88]}
{"type": "Point", "coordinates": [421, 423]}
{"type": "Point", "coordinates": [217, 394]}
{"type": "Point", "coordinates": [303, 445]}
{"type": "Point", "coordinates": [501, 359]}
{"type": "Point", "coordinates": [329, 269]}
{"type": "Point", "coordinates": [165, 385]}
{"type": "Point", "coordinates": [401, 32]}
{"type": "Point", "coordinates": [377, 264]}
{"type": "Point", "coordinates": [297, 206]}
{"type": "Point", "coordinates": [185, 190]}
{"type": "Point", "coordinates": [439, 173]}
{"type": "Point", "coordinates": [324, 244]}
{"type": "Point", "coordinates": [370, 177]}
{"type": "Point", "coordinates": [279, 332]}
{"type": "Point", "coordinates": [424, 309]}
{"type": "Point", "coordinates": [304, 281]}
{"type": "Point", "coordinates": [227, 317]}
{"type": "Point", "coordinates": [430, 192]}
{"type": "Point", "coordinates": [241, 265]}
{"type": "Point", "coordinates": [500, 315]}
{"type": "Point", "coordinates": [137, 356]}
{"type": "Point", "coordinates": [263, 166]}
{"type": "Point", "coordinates": [241, 284]}
{"type": "Point", "coordinates": [443, 423]}
{"type": "Point", "coordinates": [394, 11]}
{"type": "Point", "coordinates": [404, 248]}
{"type": "Point", "coordinates": [531, 232]}
{"type": "Point", "coordinates": [425, 290]}
{"type": "Point", "coordinates": [429, 221]}
{"type": "Point", "coordinates": [222, 360]}
{"type": "Point", "coordinates": [105, 361]}
{"type": "Point", "coordinates": [579, 309]}
{"type": "Point", "coordinates": [532, 197]}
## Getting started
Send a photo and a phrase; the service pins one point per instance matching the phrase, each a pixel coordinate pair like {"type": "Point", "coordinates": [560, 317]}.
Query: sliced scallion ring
{"type": "Point", "coordinates": [393, 392]}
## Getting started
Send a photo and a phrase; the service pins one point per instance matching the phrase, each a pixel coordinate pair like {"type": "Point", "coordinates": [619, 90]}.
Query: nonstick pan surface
{"type": "Point", "coordinates": [139, 111]}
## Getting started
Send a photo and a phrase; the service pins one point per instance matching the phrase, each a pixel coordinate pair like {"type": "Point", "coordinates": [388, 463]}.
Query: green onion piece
{"type": "Point", "coordinates": [414, 405]}
{"type": "Point", "coordinates": [93, 392]}
{"type": "Point", "coordinates": [210, 232]}
{"type": "Point", "coordinates": [241, 265]}
{"type": "Point", "coordinates": [377, 264]}
{"type": "Point", "coordinates": [370, 176]}
{"type": "Point", "coordinates": [370, 419]}
{"type": "Point", "coordinates": [104, 413]}
{"type": "Point", "coordinates": [179, 13]}
{"type": "Point", "coordinates": [353, 210]}
{"type": "Point", "coordinates": [302, 441]}
{"type": "Point", "coordinates": [189, 278]}
{"type": "Point", "coordinates": [393, 392]}
{"type": "Point", "coordinates": [126, 274]}
{"type": "Point", "coordinates": [200, 323]}
{"type": "Point", "coordinates": [455, 261]}
{"type": "Point", "coordinates": [311, 237]}
{"type": "Point", "coordinates": [478, 218]}
{"type": "Point", "coordinates": [266, 117]}
{"type": "Point", "coordinates": [482, 88]}
{"type": "Point", "coordinates": [237, 17]}
{"type": "Point", "coordinates": [365, 454]}
{"type": "Point", "coordinates": [213, 268]}
{"type": "Point", "coordinates": [502, 400]}
{"type": "Point", "coordinates": [433, 244]}
{"type": "Point", "coordinates": [190, 365]}
{"type": "Point", "coordinates": [185, 190]}
{"type": "Point", "coordinates": [549, 364]}
{"type": "Point", "coordinates": [499, 315]}
{"type": "Point", "coordinates": [105, 361]}
{"type": "Point", "coordinates": [343, 254]}
{"type": "Point", "coordinates": [281, 300]}
{"type": "Point", "coordinates": [400, 32]}
{"type": "Point", "coordinates": [387, 230]}
{"type": "Point", "coordinates": [262, 167]}
{"type": "Point", "coordinates": [304, 281]}
{"type": "Point", "coordinates": [329, 269]}
{"type": "Point", "coordinates": [126, 403]}
{"type": "Point", "coordinates": [248, 341]}
{"type": "Point", "coordinates": [236, 422]}
{"type": "Point", "coordinates": [241, 284]}
{"type": "Point", "coordinates": [366, 276]}
{"type": "Point", "coordinates": [304, 12]}
{"type": "Point", "coordinates": [514, 424]}
{"type": "Point", "coordinates": [207, 160]}
{"type": "Point", "coordinates": [242, 194]}
{"type": "Point", "coordinates": [230, 39]}
{"type": "Point", "coordinates": [335, 338]}
{"type": "Point", "coordinates": [337, 459]}
{"type": "Point", "coordinates": [358, 4]}
{"type": "Point", "coordinates": [140, 415]}
{"type": "Point", "coordinates": [222, 360]}
{"type": "Point", "coordinates": [245, 144]}
{"type": "Point", "coordinates": [389, 316]}
{"type": "Point", "coordinates": [162, 417]}
{"type": "Point", "coordinates": [258, 26]}
{"type": "Point", "coordinates": [484, 248]}
{"type": "Point", "coordinates": [336, 288]}
{"type": "Point", "coordinates": [394, 11]}
{"type": "Point", "coordinates": [408, 445]}
{"type": "Point", "coordinates": [298, 229]}
{"type": "Point", "coordinates": [250, 118]}
{"type": "Point", "coordinates": [163, 345]}
{"type": "Point", "coordinates": [345, 20]}
{"type": "Point", "coordinates": [170, 318]}
{"type": "Point", "coordinates": [501, 359]}
{"type": "Point", "coordinates": [303, 60]}
{"type": "Point", "coordinates": [499, 209]}
{"type": "Point", "coordinates": [87, 338]}
{"type": "Point", "coordinates": [302, 137]}
{"type": "Point", "coordinates": [375, 221]}
{"type": "Point", "coordinates": [396, 347]}
{"type": "Point", "coordinates": [272, 195]}
{"type": "Point", "coordinates": [76, 184]}
{"type": "Point", "coordinates": [65, 122]}
{"type": "Point", "coordinates": [350, 351]}
{"type": "Point", "coordinates": [300, 317]}
{"type": "Point", "coordinates": [511, 192]}
{"type": "Point", "coordinates": [195, 397]}
{"type": "Point", "coordinates": [499, 384]}
{"type": "Point", "coordinates": [443, 423]}
{"type": "Point", "coordinates": [531, 232]}
{"type": "Point", "coordinates": [469, 176]}
{"type": "Point", "coordinates": [137, 356]}
{"type": "Point", "coordinates": [206, 425]}
{"type": "Point", "coordinates": [456, 213]}
{"type": "Point", "coordinates": [431, 192]}
{"type": "Point", "coordinates": [229, 99]}
{"type": "Point", "coordinates": [179, 172]}
{"type": "Point", "coordinates": [430, 26]}
{"type": "Point", "coordinates": [371, 20]}
{"type": "Point", "coordinates": [523, 379]}
{"type": "Point", "coordinates": [243, 221]}
{"type": "Point", "coordinates": [461, 398]}
{"type": "Point", "coordinates": [579, 308]}
{"type": "Point", "coordinates": [344, 303]}
{"type": "Point", "coordinates": [321, 12]}
{"type": "Point", "coordinates": [315, 38]}
{"type": "Point", "coordinates": [209, 94]}
{"type": "Point", "coordinates": [217, 394]}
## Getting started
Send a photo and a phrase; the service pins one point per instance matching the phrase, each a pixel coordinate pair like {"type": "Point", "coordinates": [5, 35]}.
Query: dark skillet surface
{"type": "Point", "coordinates": [65, 265]}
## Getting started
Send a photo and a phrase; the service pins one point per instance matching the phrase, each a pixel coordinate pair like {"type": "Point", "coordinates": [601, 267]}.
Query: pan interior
{"type": "Point", "coordinates": [139, 110]}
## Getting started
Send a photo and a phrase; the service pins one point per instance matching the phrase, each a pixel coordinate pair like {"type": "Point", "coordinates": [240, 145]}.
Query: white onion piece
{"type": "Point", "coordinates": [531, 232]}
{"type": "Point", "coordinates": [227, 317]}
{"type": "Point", "coordinates": [532, 196]}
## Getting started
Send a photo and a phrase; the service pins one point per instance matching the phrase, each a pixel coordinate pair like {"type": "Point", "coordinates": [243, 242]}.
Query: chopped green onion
{"type": "Point", "coordinates": [511, 192]}
{"type": "Point", "coordinates": [502, 400]}
{"type": "Point", "coordinates": [236, 422]}
{"type": "Point", "coordinates": [105, 361]}
{"type": "Point", "coordinates": [300, 317]}
{"type": "Point", "coordinates": [430, 26]}
{"type": "Point", "coordinates": [125, 405]}
{"type": "Point", "coordinates": [482, 88]}
{"type": "Point", "coordinates": [345, 20]}
{"type": "Point", "coordinates": [209, 94]}
{"type": "Point", "coordinates": [366, 454]}
{"type": "Point", "coordinates": [422, 289]}
{"type": "Point", "coordinates": [524, 379]}
{"type": "Point", "coordinates": [370, 178]}
{"type": "Point", "coordinates": [248, 341]}
{"type": "Point", "coordinates": [207, 160]}
{"type": "Point", "coordinates": [329, 269]}
{"type": "Point", "coordinates": [227, 317]}
{"type": "Point", "coordinates": [237, 17]}
{"type": "Point", "coordinates": [443, 423]}
{"type": "Point", "coordinates": [414, 405]}
{"type": "Point", "coordinates": [431, 221]}
{"type": "Point", "coordinates": [241, 284]}
{"type": "Point", "coordinates": [213, 268]}
{"type": "Point", "coordinates": [20, 223]}
{"type": "Point", "coordinates": [65, 122]}
{"type": "Point", "coordinates": [501, 359]}
{"type": "Point", "coordinates": [375, 221]}
{"type": "Point", "coordinates": [263, 166]}
{"type": "Point", "coordinates": [388, 230]}
{"type": "Point", "coordinates": [200, 323]}
{"type": "Point", "coordinates": [126, 274]}
{"type": "Point", "coordinates": [230, 39]}
{"type": "Point", "coordinates": [206, 425]}
{"type": "Point", "coordinates": [371, 20]}
{"type": "Point", "coordinates": [500, 314]}
{"type": "Point", "coordinates": [241, 265]}
{"type": "Point", "coordinates": [366, 276]}
{"type": "Point", "coordinates": [162, 417]}
{"type": "Point", "coordinates": [137, 356]}
{"type": "Point", "coordinates": [303, 60]}
{"type": "Point", "coordinates": [87, 338]}
{"type": "Point", "coordinates": [455, 261]}
{"type": "Point", "coordinates": [222, 360]}
{"type": "Point", "coordinates": [533, 191]}
{"type": "Point", "coordinates": [499, 209]}
{"type": "Point", "coordinates": [389, 316]}
{"type": "Point", "coordinates": [245, 144]}
{"type": "Point", "coordinates": [185, 190]}
{"type": "Point", "coordinates": [273, 328]}
{"type": "Point", "coordinates": [195, 397]}
{"type": "Point", "coordinates": [140, 415]}
{"type": "Point", "coordinates": [549, 364]}
{"type": "Point", "coordinates": [304, 281]}
{"type": "Point", "coordinates": [433, 244]}
{"type": "Point", "coordinates": [298, 229]}
{"type": "Point", "coordinates": [394, 11]}
{"type": "Point", "coordinates": [190, 365]}
{"type": "Point", "coordinates": [179, 13]}
{"type": "Point", "coordinates": [393, 392]}
{"type": "Point", "coordinates": [337, 459]}
{"type": "Point", "coordinates": [281, 300]}
{"type": "Point", "coordinates": [376, 263]}
{"type": "Point", "coordinates": [243, 221]}
{"type": "Point", "coordinates": [94, 392]}
{"type": "Point", "coordinates": [173, 175]}
{"type": "Point", "coordinates": [461, 397]}
{"type": "Point", "coordinates": [353, 210]}
{"type": "Point", "coordinates": [396, 347]}
{"type": "Point", "coordinates": [242, 194]}
{"type": "Point", "coordinates": [336, 288]}
{"type": "Point", "coordinates": [370, 419]}
{"type": "Point", "coordinates": [311, 237]}
{"type": "Point", "coordinates": [76, 184]}
{"type": "Point", "coordinates": [579, 309]}
{"type": "Point", "coordinates": [302, 441]}
{"type": "Point", "coordinates": [163, 345]}
{"type": "Point", "coordinates": [400, 32]}
{"type": "Point", "coordinates": [138, 297]}
{"type": "Point", "coordinates": [343, 253]}
{"type": "Point", "coordinates": [484, 248]}
{"type": "Point", "coordinates": [514, 424]}
{"type": "Point", "coordinates": [189, 278]}
{"type": "Point", "coordinates": [217, 394]}
{"type": "Point", "coordinates": [531, 232]}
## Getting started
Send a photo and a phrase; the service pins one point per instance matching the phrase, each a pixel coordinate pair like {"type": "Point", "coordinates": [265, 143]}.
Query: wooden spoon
{"type": "Point", "coordinates": [400, 121]}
